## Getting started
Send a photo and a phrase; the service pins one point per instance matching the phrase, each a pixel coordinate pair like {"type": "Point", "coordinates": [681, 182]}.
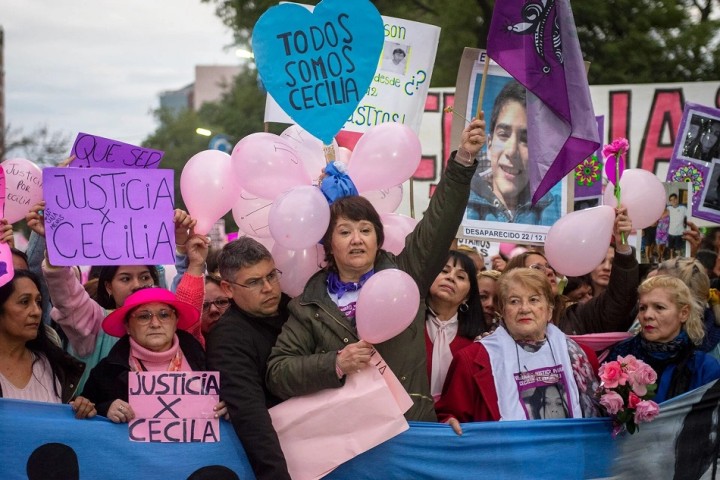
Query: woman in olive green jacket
{"type": "Point", "coordinates": [319, 344]}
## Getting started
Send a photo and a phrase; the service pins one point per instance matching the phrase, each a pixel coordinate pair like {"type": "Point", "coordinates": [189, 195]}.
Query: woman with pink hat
{"type": "Point", "coordinates": [151, 324]}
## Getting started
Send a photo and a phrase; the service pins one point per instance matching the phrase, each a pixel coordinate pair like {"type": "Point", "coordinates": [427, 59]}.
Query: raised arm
{"type": "Point", "coordinates": [79, 316]}
{"type": "Point", "coordinates": [427, 246]}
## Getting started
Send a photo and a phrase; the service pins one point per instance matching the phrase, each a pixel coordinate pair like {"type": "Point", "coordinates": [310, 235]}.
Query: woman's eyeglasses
{"type": "Point", "coordinates": [541, 267]}
{"type": "Point", "coordinates": [145, 317]}
{"type": "Point", "coordinates": [220, 304]}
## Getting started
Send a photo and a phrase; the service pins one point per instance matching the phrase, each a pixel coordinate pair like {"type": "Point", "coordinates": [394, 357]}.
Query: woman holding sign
{"type": "Point", "coordinates": [80, 316]}
{"type": "Point", "coordinates": [32, 367]}
{"type": "Point", "coordinates": [319, 344]}
{"type": "Point", "coordinates": [150, 326]}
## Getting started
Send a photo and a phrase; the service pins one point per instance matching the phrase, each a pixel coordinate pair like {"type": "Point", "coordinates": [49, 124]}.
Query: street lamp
{"type": "Point", "coordinates": [203, 131]}
{"type": "Point", "coordinates": [242, 53]}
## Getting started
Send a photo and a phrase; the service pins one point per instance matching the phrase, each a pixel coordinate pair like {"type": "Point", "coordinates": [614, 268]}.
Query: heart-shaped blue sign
{"type": "Point", "coordinates": [318, 65]}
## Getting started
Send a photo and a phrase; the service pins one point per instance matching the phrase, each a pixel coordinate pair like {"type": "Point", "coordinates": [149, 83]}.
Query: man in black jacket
{"type": "Point", "coordinates": [239, 345]}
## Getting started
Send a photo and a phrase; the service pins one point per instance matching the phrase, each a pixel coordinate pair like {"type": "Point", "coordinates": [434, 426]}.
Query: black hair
{"type": "Point", "coordinates": [399, 50]}
{"type": "Point", "coordinates": [19, 253]}
{"type": "Point", "coordinates": [698, 442]}
{"type": "Point", "coordinates": [573, 283]}
{"type": "Point", "coordinates": [538, 404]}
{"type": "Point", "coordinates": [471, 319]}
{"type": "Point", "coordinates": [355, 208]}
{"type": "Point", "coordinates": [107, 272]}
{"type": "Point", "coordinates": [60, 364]}
{"type": "Point", "coordinates": [511, 92]}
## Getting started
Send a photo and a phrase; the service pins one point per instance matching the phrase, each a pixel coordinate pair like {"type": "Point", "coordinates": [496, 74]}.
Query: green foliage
{"type": "Point", "coordinates": [627, 41]}
{"type": "Point", "coordinates": [648, 41]}
{"type": "Point", "coordinates": [238, 114]}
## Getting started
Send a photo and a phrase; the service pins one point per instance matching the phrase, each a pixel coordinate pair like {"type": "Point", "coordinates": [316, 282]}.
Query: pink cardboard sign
{"type": "Point", "coordinates": [174, 406]}
{"type": "Point", "coordinates": [99, 152]}
{"type": "Point", "coordinates": [6, 265]}
{"type": "Point", "coordinates": [109, 216]}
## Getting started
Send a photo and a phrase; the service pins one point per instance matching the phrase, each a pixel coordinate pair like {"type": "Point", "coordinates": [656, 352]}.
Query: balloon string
{"type": "Point", "coordinates": [329, 151]}
{"type": "Point", "coordinates": [617, 191]}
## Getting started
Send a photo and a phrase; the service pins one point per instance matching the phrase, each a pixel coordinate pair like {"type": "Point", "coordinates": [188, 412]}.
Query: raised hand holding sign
{"type": "Point", "coordinates": [318, 65]}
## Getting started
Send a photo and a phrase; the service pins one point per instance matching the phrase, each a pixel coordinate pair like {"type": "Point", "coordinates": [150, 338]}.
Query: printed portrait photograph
{"type": "Point", "coordinates": [395, 57]}
{"type": "Point", "coordinates": [701, 138]}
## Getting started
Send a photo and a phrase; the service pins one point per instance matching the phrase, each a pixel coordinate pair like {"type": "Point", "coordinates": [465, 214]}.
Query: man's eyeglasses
{"type": "Point", "coordinates": [541, 267]}
{"type": "Point", "coordinates": [220, 304]}
{"type": "Point", "coordinates": [145, 317]}
{"type": "Point", "coordinates": [258, 283]}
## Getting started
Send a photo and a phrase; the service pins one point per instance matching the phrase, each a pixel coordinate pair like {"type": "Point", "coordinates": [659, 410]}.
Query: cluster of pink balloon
{"type": "Point", "coordinates": [277, 201]}
{"type": "Point", "coordinates": [23, 187]}
{"type": "Point", "coordinates": [578, 242]}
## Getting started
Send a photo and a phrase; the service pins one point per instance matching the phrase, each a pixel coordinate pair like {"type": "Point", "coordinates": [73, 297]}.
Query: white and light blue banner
{"type": "Point", "coordinates": [681, 443]}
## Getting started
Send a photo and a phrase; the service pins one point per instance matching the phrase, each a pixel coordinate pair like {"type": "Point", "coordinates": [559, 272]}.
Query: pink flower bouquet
{"type": "Point", "coordinates": [627, 385]}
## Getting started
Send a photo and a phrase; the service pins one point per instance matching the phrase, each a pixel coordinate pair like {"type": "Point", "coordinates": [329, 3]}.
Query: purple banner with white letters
{"type": "Point", "coordinates": [92, 151]}
{"type": "Point", "coordinates": [109, 216]}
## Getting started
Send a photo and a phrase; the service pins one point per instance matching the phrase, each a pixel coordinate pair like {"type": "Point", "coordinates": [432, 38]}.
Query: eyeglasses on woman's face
{"type": "Point", "coordinates": [144, 317]}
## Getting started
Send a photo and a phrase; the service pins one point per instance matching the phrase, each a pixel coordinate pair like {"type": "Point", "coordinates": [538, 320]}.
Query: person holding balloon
{"type": "Point", "coordinates": [454, 316]}
{"type": "Point", "coordinates": [611, 310]}
{"type": "Point", "coordinates": [320, 344]}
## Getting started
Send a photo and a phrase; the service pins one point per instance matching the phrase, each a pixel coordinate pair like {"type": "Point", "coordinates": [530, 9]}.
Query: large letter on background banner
{"type": "Point", "coordinates": [681, 443]}
{"type": "Point", "coordinates": [536, 42]}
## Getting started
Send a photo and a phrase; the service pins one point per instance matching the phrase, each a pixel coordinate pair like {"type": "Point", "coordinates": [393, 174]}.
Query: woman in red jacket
{"type": "Point", "coordinates": [527, 369]}
{"type": "Point", "coordinates": [454, 316]}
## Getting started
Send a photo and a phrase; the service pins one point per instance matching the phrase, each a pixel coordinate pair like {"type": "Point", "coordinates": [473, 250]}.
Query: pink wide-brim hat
{"type": "Point", "coordinates": [114, 324]}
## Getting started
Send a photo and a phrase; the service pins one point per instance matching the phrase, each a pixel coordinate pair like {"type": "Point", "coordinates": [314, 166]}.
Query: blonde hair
{"type": "Point", "coordinates": [532, 279]}
{"type": "Point", "coordinates": [693, 274]}
{"type": "Point", "coordinates": [681, 296]}
{"type": "Point", "coordinates": [494, 274]}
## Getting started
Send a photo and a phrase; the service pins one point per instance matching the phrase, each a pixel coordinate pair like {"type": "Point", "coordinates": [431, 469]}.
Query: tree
{"type": "Point", "coordinates": [238, 114]}
{"type": "Point", "coordinates": [627, 41]}
{"type": "Point", "coordinates": [41, 146]}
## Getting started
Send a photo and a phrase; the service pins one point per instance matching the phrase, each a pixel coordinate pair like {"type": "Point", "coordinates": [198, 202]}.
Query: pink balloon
{"type": "Point", "coordinates": [251, 214]}
{"type": "Point", "coordinates": [208, 188]}
{"type": "Point", "coordinates": [386, 200]}
{"type": "Point", "coordinates": [299, 218]}
{"type": "Point", "coordinates": [297, 266]}
{"type": "Point", "coordinates": [578, 242]}
{"type": "Point", "coordinates": [396, 227]}
{"type": "Point", "coordinates": [386, 306]}
{"type": "Point", "coordinates": [308, 148]}
{"type": "Point", "coordinates": [23, 187]}
{"type": "Point", "coordinates": [386, 155]}
{"type": "Point", "coordinates": [266, 165]}
{"type": "Point", "coordinates": [343, 154]}
{"type": "Point", "coordinates": [642, 193]}
{"type": "Point", "coordinates": [267, 242]}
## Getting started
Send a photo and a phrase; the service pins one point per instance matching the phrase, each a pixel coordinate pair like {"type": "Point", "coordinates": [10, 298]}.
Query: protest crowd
{"type": "Point", "coordinates": [439, 333]}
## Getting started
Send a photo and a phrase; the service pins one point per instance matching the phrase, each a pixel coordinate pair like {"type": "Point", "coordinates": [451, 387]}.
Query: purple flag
{"type": "Point", "coordinates": [536, 42]}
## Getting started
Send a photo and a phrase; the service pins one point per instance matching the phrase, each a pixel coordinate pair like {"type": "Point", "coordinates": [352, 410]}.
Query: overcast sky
{"type": "Point", "coordinates": [98, 66]}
